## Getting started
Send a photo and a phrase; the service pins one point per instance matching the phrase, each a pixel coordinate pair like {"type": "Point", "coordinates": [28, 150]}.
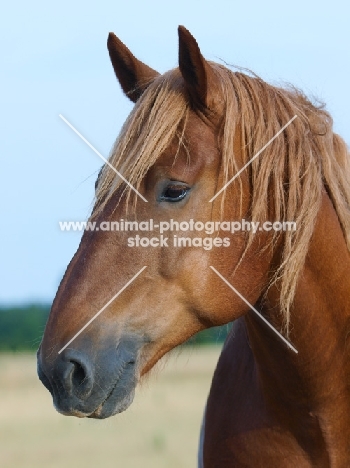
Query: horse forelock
{"type": "Point", "coordinates": [157, 118]}
{"type": "Point", "coordinates": [287, 179]}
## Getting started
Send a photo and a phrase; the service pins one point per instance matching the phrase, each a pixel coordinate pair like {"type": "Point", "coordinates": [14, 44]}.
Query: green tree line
{"type": "Point", "coordinates": [21, 328]}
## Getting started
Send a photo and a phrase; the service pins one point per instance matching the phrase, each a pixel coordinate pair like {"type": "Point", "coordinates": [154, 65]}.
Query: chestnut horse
{"type": "Point", "coordinates": [190, 132]}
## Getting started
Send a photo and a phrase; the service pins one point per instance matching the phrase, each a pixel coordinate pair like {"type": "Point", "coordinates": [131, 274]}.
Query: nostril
{"type": "Point", "coordinates": [77, 374]}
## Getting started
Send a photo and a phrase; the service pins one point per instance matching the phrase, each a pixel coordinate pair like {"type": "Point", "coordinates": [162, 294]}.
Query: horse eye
{"type": "Point", "coordinates": [174, 193]}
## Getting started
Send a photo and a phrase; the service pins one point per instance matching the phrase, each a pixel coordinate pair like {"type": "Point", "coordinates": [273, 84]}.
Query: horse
{"type": "Point", "coordinates": [209, 142]}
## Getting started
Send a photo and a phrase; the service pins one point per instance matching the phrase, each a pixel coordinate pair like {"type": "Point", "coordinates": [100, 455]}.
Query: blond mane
{"type": "Point", "coordinates": [286, 181]}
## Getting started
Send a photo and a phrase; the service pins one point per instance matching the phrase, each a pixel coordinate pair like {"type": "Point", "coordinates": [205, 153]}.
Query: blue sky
{"type": "Point", "coordinates": [54, 60]}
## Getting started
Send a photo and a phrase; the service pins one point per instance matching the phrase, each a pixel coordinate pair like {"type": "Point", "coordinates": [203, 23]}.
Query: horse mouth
{"type": "Point", "coordinates": [119, 397]}
{"type": "Point", "coordinates": [113, 404]}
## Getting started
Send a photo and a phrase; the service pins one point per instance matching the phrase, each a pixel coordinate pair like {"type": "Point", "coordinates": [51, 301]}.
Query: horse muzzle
{"type": "Point", "coordinates": [88, 382]}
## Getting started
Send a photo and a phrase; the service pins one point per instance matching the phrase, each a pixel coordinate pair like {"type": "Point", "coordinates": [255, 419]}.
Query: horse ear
{"type": "Point", "coordinates": [194, 68]}
{"type": "Point", "coordinates": [134, 76]}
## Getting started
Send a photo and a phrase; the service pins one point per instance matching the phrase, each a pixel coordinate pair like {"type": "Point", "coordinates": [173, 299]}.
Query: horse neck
{"type": "Point", "coordinates": [310, 390]}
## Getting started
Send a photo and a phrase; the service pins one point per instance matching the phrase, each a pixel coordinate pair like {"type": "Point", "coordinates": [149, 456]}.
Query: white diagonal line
{"type": "Point", "coordinates": [101, 310]}
{"type": "Point", "coordinates": [254, 310]}
{"type": "Point", "coordinates": [251, 160]}
{"type": "Point", "coordinates": [103, 158]}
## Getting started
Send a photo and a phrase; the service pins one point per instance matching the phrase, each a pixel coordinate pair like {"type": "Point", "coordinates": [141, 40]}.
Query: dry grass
{"type": "Point", "coordinates": [159, 430]}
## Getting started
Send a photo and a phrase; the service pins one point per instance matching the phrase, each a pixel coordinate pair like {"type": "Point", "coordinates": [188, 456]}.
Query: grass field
{"type": "Point", "coordinates": [160, 429]}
